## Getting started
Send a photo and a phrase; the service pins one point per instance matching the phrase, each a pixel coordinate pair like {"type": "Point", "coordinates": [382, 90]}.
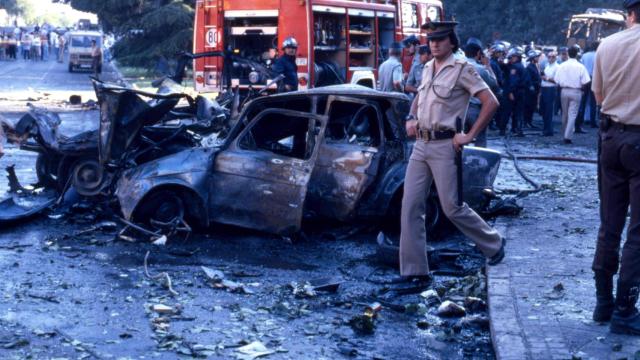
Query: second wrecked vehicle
{"type": "Point", "coordinates": [337, 152]}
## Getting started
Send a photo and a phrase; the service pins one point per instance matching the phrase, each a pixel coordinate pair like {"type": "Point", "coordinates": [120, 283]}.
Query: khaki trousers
{"type": "Point", "coordinates": [570, 100]}
{"type": "Point", "coordinates": [435, 161]}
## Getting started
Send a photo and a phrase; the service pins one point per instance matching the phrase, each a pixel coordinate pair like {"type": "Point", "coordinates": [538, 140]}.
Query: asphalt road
{"type": "Point", "coordinates": [72, 292]}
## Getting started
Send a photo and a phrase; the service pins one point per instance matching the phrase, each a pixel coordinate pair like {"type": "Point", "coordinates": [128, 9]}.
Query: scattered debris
{"type": "Point", "coordinates": [161, 241]}
{"type": "Point", "coordinates": [15, 343]}
{"type": "Point", "coordinates": [557, 292]}
{"type": "Point", "coordinates": [217, 280]}
{"type": "Point", "coordinates": [450, 309]}
{"type": "Point", "coordinates": [431, 297]}
{"type": "Point", "coordinates": [162, 309]}
{"type": "Point", "coordinates": [302, 290]}
{"type": "Point", "coordinates": [363, 324]}
{"type": "Point", "coordinates": [616, 347]}
{"type": "Point", "coordinates": [474, 304]}
{"type": "Point", "coordinates": [423, 324]}
{"type": "Point", "coordinates": [162, 278]}
{"type": "Point", "coordinates": [253, 350]}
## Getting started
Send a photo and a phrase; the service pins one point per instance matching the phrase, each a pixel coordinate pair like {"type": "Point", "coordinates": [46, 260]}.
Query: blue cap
{"type": "Point", "coordinates": [474, 41]}
{"type": "Point", "coordinates": [395, 46]}
{"type": "Point", "coordinates": [410, 40]}
{"type": "Point", "coordinates": [424, 49]}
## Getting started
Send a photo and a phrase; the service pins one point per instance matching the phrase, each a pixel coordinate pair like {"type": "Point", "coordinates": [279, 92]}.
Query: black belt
{"type": "Point", "coordinates": [623, 127]}
{"type": "Point", "coordinates": [571, 88]}
{"type": "Point", "coordinates": [429, 135]}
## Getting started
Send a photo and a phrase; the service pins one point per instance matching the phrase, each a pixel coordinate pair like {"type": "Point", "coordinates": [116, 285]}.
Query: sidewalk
{"type": "Point", "coordinates": [542, 296]}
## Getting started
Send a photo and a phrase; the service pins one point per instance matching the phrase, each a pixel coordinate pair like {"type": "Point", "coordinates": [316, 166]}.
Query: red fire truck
{"type": "Point", "coordinates": [340, 41]}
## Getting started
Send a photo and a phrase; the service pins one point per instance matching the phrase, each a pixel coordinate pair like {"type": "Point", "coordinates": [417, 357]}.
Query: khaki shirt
{"type": "Point", "coordinates": [444, 96]}
{"type": "Point", "coordinates": [616, 73]}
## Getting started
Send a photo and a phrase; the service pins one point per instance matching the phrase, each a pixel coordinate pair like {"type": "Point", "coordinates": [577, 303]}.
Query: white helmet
{"type": "Point", "coordinates": [290, 42]}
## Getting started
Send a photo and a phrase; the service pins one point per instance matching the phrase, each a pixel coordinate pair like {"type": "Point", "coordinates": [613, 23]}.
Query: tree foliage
{"type": "Point", "coordinates": [147, 28]}
{"type": "Point", "coordinates": [11, 6]}
{"type": "Point", "coordinates": [518, 21]}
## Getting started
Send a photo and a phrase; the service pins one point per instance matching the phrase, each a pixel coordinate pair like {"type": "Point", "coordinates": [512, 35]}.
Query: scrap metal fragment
{"type": "Point", "coordinates": [162, 278]}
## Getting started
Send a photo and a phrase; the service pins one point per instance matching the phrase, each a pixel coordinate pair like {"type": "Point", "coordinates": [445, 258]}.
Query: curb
{"type": "Point", "coordinates": [508, 339]}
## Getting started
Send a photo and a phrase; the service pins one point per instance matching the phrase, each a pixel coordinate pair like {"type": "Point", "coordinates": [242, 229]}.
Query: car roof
{"type": "Point", "coordinates": [345, 90]}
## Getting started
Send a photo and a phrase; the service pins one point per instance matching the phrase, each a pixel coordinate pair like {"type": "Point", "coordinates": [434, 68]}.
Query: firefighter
{"type": "Point", "coordinates": [616, 88]}
{"type": "Point", "coordinates": [435, 119]}
{"type": "Point", "coordinates": [286, 65]}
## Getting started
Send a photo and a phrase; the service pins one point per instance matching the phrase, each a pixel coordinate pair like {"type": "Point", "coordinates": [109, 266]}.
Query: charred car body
{"type": "Point", "coordinates": [338, 152]}
{"type": "Point", "coordinates": [135, 127]}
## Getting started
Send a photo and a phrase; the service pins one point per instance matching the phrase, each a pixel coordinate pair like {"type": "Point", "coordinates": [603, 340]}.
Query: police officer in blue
{"type": "Point", "coordinates": [411, 44]}
{"type": "Point", "coordinates": [497, 52]}
{"type": "Point", "coordinates": [532, 91]}
{"type": "Point", "coordinates": [286, 65]}
{"type": "Point", "coordinates": [515, 93]}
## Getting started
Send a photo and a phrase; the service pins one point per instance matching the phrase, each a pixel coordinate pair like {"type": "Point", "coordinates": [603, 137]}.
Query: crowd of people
{"type": "Point", "coordinates": [32, 44]}
{"type": "Point", "coordinates": [525, 80]}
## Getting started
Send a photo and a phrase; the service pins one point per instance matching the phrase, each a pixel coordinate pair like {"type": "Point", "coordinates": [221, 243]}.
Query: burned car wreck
{"type": "Point", "coordinates": [337, 152]}
{"type": "Point", "coordinates": [134, 127]}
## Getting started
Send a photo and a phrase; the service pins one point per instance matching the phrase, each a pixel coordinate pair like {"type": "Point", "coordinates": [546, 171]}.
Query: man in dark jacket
{"type": "Point", "coordinates": [532, 91]}
{"type": "Point", "coordinates": [514, 92]}
{"type": "Point", "coordinates": [286, 65]}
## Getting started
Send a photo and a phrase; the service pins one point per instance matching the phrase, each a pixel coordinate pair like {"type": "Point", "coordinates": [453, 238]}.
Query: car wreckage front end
{"type": "Point", "coordinates": [183, 173]}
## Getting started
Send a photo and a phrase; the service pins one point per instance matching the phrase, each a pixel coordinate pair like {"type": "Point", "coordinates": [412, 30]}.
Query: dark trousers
{"type": "Point", "coordinates": [557, 107]}
{"type": "Point", "coordinates": [547, 104]}
{"type": "Point", "coordinates": [588, 98]}
{"type": "Point", "coordinates": [530, 105]}
{"type": "Point", "coordinates": [619, 184]}
{"type": "Point", "coordinates": [514, 110]}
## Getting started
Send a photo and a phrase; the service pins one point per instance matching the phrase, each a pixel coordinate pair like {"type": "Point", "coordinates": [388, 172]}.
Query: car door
{"type": "Point", "coordinates": [260, 181]}
{"type": "Point", "coordinates": [346, 166]}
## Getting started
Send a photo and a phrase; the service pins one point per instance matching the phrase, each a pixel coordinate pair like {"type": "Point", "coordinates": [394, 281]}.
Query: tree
{"type": "Point", "coordinates": [11, 6]}
{"type": "Point", "coordinates": [147, 28]}
{"type": "Point", "coordinates": [518, 21]}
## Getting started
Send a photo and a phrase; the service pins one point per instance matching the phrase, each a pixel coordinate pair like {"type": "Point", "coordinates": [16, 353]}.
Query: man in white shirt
{"type": "Point", "coordinates": [571, 76]}
{"type": "Point", "coordinates": [548, 93]}
{"type": "Point", "coordinates": [588, 98]}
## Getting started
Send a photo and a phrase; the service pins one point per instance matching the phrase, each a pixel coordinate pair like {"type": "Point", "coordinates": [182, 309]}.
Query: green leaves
{"type": "Point", "coordinates": [517, 21]}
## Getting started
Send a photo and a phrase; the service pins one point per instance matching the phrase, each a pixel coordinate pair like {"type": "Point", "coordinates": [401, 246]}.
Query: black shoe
{"type": "Point", "coordinates": [503, 133]}
{"type": "Point", "coordinates": [547, 135]}
{"type": "Point", "coordinates": [579, 131]}
{"type": "Point", "coordinates": [497, 258]}
{"type": "Point", "coordinates": [519, 134]}
{"type": "Point", "coordinates": [603, 310]}
{"type": "Point", "coordinates": [604, 297]}
{"type": "Point", "coordinates": [567, 141]}
{"type": "Point", "coordinates": [628, 324]}
{"type": "Point", "coordinates": [594, 126]}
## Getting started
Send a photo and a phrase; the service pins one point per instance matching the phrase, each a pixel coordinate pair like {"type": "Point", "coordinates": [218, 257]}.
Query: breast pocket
{"type": "Point", "coordinates": [442, 90]}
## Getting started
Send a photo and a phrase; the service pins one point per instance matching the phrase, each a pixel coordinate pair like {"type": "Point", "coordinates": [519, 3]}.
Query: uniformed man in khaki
{"type": "Point", "coordinates": [443, 96]}
{"type": "Point", "coordinates": [617, 89]}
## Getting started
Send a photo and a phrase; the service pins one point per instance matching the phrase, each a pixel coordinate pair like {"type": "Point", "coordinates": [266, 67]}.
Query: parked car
{"type": "Point", "coordinates": [338, 152]}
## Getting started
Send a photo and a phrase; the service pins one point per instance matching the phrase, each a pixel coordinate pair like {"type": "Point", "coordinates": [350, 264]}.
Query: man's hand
{"type": "Point", "coordinates": [511, 97]}
{"type": "Point", "coordinates": [412, 128]}
{"type": "Point", "coordinates": [461, 140]}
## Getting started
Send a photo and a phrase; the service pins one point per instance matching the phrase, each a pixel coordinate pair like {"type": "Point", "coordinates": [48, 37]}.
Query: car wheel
{"type": "Point", "coordinates": [433, 218]}
{"type": "Point", "coordinates": [46, 170]}
{"type": "Point", "coordinates": [159, 209]}
{"type": "Point", "coordinates": [65, 165]}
